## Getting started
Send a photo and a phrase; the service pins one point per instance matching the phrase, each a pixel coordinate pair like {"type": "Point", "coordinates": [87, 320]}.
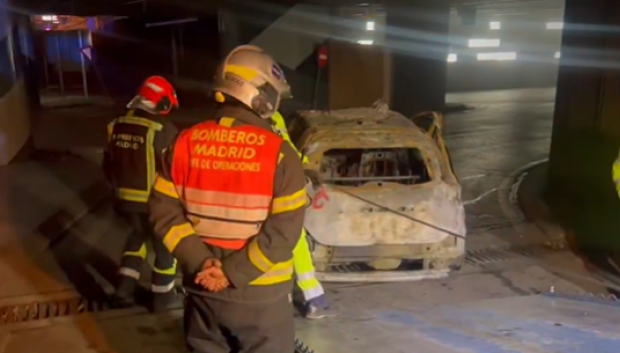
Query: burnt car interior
{"type": "Point", "coordinates": [356, 166]}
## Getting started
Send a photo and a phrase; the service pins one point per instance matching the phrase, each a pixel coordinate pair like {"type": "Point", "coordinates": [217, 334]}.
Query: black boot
{"type": "Point", "coordinates": [125, 292]}
{"type": "Point", "coordinates": [163, 301]}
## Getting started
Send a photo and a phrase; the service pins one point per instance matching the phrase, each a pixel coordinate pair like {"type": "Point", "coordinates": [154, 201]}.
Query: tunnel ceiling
{"type": "Point", "coordinates": [173, 8]}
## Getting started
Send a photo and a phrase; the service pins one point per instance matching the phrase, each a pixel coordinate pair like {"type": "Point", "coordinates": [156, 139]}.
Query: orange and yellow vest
{"type": "Point", "coordinates": [224, 176]}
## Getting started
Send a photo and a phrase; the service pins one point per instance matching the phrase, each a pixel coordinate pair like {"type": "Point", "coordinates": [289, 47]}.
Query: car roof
{"type": "Point", "coordinates": [352, 118]}
{"type": "Point", "coordinates": [375, 122]}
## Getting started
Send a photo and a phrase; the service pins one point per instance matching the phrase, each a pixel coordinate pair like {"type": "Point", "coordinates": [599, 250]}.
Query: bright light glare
{"type": "Point", "coordinates": [452, 58]}
{"type": "Point", "coordinates": [370, 26]}
{"type": "Point", "coordinates": [483, 43]}
{"type": "Point", "coordinates": [557, 55]}
{"type": "Point", "coordinates": [555, 25]}
{"type": "Point", "coordinates": [365, 42]}
{"type": "Point", "coordinates": [496, 56]}
{"type": "Point", "coordinates": [495, 25]}
{"type": "Point", "coordinates": [49, 18]}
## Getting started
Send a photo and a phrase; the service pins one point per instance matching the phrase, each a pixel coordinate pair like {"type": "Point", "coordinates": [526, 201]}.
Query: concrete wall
{"type": "Point", "coordinates": [14, 100]}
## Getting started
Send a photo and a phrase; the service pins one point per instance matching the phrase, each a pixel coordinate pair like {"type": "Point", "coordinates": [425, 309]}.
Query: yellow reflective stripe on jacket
{"type": "Point", "coordinates": [289, 203]}
{"type": "Point", "coordinates": [272, 273]}
{"type": "Point", "coordinates": [176, 234]}
{"type": "Point", "coordinates": [133, 195]}
{"type": "Point", "coordinates": [280, 272]}
{"type": "Point", "coordinates": [152, 127]}
{"type": "Point", "coordinates": [111, 129]}
{"type": "Point", "coordinates": [166, 187]}
{"type": "Point", "coordinates": [281, 129]}
{"type": "Point", "coordinates": [258, 258]}
{"type": "Point", "coordinates": [226, 122]}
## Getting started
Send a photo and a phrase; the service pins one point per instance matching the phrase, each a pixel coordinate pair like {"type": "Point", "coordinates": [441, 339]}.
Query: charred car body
{"type": "Point", "coordinates": [386, 204]}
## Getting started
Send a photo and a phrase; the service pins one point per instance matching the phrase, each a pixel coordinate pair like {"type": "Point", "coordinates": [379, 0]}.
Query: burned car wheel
{"type": "Point", "coordinates": [321, 255]}
{"type": "Point", "coordinates": [385, 264]}
{"type": "Point", "coordinates": [452, 264]}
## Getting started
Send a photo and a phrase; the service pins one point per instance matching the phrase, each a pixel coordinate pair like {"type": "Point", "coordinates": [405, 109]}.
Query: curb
{"type": "Point", "coordinates": [537, 211]}
{"type": "Point", "coordinates": [515, 214]}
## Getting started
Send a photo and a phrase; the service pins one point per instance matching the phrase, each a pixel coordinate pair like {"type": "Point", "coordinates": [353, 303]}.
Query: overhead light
{"type": "Point", "coordinates": [557, 55]}
{"type": "Point", "coordinates": [370, 25]}
{"type": "Point", "coordinates": [494, 25]}
{"type": "Point", "coordinates": [50, 18]}
{"type": "Point", "coordinates": [555, 25]}
{"type": "Point", "coordinates": [483, 43]}
{"type": "Point", "coordinates": [496, 56]}
{"type": "Point", "coordinates": [365, 42]}
{"type": "Point", "coordinates": [452, 58]}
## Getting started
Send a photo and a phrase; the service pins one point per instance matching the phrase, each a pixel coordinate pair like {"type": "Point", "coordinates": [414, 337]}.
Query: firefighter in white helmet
{"type": "Point", "coordinates": [229, 203]}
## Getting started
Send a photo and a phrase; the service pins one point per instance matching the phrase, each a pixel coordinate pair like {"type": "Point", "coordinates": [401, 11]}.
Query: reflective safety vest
{"type": "Point", "coordinates": [130, 145]}
{"type": "Point", "coordinates": [280, 127]}
{"type": "Point", "coordinates": [224, 176]}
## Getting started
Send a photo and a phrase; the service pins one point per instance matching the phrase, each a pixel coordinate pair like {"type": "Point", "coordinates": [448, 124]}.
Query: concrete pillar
{"type": "Point", "coordinates": [417, 35]}
{"type": "Point", "coordinates": [15, 141]}
{"type": "Point", "coordinates": [586, 131]}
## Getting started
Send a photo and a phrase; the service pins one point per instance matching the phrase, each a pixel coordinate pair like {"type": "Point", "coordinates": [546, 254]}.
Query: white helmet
{"type": "Point", "coordinates": [253, 78]}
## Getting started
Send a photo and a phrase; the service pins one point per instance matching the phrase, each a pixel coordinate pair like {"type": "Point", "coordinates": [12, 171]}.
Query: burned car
{"type": "Point", "coordinates": [385, 202]}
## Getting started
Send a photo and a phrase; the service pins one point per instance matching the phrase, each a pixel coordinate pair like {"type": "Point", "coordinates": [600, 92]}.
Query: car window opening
{"type": "Point", "coordinates": [355, 167]}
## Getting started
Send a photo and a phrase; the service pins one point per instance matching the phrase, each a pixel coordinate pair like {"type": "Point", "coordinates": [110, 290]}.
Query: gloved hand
{"type": "Point", "coordinates": [211, 277]}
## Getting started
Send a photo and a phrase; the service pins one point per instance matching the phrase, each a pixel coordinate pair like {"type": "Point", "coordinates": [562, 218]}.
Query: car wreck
{"type": "Point", "coordinates": [385, 201]}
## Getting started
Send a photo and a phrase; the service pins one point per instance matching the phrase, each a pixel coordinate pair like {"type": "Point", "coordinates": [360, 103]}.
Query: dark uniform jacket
{"type": "Point", "coordinates": [277, 238]}
{"type": "Point", "coordinates": [135, 145]}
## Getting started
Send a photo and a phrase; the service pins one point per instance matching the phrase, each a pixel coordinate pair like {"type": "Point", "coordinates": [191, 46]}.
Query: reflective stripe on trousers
{"type": "Point", "coordinates": [132, 261]}
{"type": "Point", "coordinates": [304, 269]}
{"type": "Point", "coordinates": [163, 280]}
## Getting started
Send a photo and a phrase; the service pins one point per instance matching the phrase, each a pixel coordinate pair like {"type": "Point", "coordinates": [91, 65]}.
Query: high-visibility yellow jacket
{"type": "Point", "coordinates": [615, 172]}
{"type": "Point", "coordinates": [280, 125]}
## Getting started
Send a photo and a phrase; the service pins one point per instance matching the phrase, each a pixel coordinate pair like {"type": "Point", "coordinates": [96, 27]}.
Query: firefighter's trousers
{"type": "Point", "coordinates": [217, 326]}
{"type": "Point", "coordinates": [304, 269]}
{"type": "Point", "coordinates": [134, 257]}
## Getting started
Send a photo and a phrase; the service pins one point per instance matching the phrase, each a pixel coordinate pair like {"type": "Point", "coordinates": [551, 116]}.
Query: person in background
{"type": "Point", "coordinates": [135, 142]}
{"type": "Point", "coordinates": [316, 305]}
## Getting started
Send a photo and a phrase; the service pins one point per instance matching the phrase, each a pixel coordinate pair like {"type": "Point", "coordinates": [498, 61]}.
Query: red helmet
{"type": "Point", "coordinates": [156, 96]}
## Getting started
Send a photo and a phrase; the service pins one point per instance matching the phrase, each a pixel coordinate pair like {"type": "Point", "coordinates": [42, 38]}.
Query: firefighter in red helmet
{"type": "Point", "coordinates": [135, 142]}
